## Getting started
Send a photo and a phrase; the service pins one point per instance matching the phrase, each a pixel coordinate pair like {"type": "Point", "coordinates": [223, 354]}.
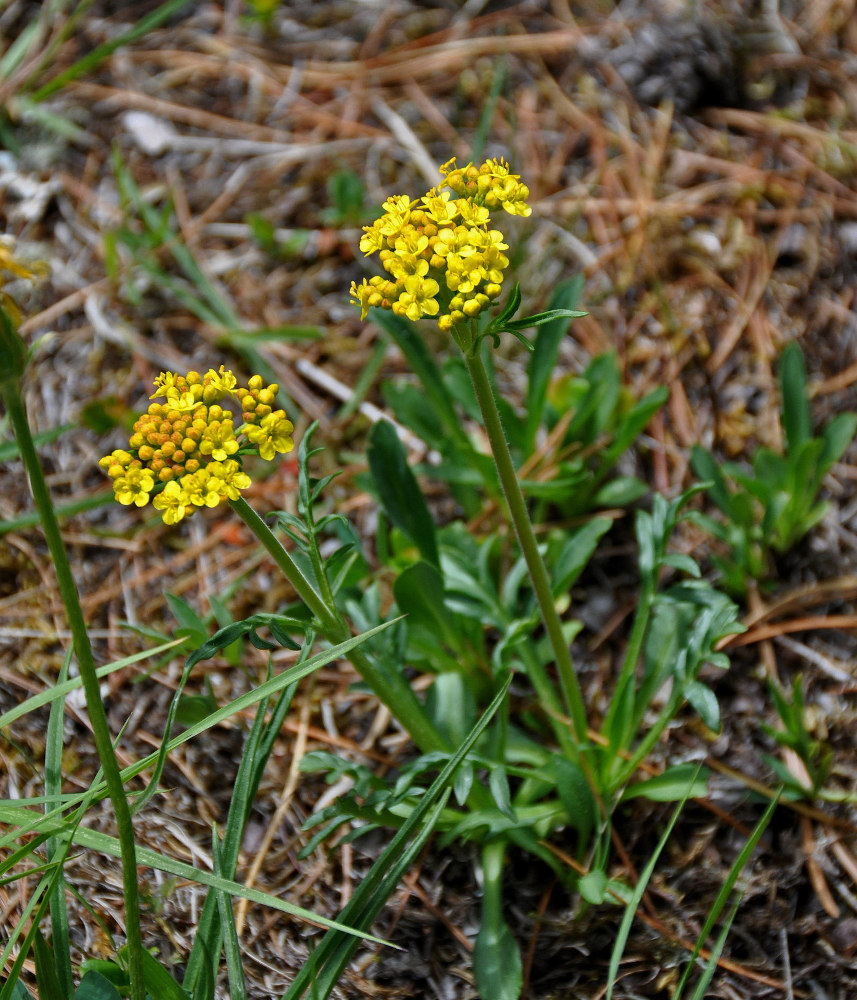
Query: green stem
{"type": "Point", "coordinates": [86, 664]}
{"type": "Point", "coordinates": [388, 685]}
{"type": "Point", "coordinates": [327, 618]}
{"type": "Point", "coordinates": [527, 540]}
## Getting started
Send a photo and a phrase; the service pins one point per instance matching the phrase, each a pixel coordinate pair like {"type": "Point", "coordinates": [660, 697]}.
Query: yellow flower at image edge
{"type": "Point", "coordinates": [13, 265]}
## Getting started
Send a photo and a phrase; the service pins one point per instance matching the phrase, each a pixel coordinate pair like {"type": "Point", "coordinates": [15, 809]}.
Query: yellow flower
{"type": "Point", "coordinates": [231, 478]}
{"type": "Point", "coordinates": [272, 435]}
{"type": "Point", "coordinates": [417, 299]}
{"type": "Point", "coordinates": [13, 265]}
{"type": "Point", "coordinates": [361, 295]}
{"type": "Point", "coordinates": [372, 239]}
{"type": "Point", "coordinates": [184, 402]}
{"type": "Point", "coordinates": [218, 385]}
{"type": "Point", "coordinates": [218, 440]}
{"type": "Point", "coordinates": [201, 488]}
{"type": "Point", "coordinates": [134, 487]}
{"type": "Point", "coordinates": [473, 214]}
{"type": "Point", "coordinates": [173, 502]}
{"type": "Point", "coordinates": [164, 381]}
{"type": "Point", "coordinates": [439, 207]}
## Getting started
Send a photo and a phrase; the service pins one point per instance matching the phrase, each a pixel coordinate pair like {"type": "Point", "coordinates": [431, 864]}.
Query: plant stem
{"type": "Point", "coordinates": [527, 540]}
{"type": "Point", "coordinates": [86, 664]}
{"type": "Point", "coordinates": [388, 685]}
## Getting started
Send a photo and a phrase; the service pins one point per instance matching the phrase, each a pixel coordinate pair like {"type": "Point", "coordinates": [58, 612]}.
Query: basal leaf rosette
{"type": "Point", "coordinates": [185, 451]}
{"type": "Point", "coordinates": [442, 256]}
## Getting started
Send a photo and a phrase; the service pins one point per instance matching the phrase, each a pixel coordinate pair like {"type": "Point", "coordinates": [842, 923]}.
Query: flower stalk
{"type": "Point", "coordinates": [527, 540]}
{"type": "Point", "coordinates": [11, 394]}
{"type": "Point", "coordinates": [389, 686]}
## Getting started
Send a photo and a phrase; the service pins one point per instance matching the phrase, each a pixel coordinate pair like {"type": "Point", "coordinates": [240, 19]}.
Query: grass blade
{"type": "Point", "coordinates": [637, 895]}
{"type": "Point", "coordinates": [327, 962]}
{"type": "Point", "coordinates": [728, 885]}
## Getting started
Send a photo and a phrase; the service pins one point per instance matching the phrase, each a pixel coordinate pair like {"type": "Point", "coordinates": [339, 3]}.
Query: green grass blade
{"type": "Point", "coordinates": [9, 811]}
{"type": "Point", "coordinates": [726, 889]}
{"type": "Point", "coordinates": [711, 967]}
{"type": "Point", "coordinates": [97, 56]}
{"type": "Point", "coordinates": [208, 939]}
{"type": "Point", "coordinates": [53, 788]}
{"type": "Point", "coordinates": [327, 962]}
{"type": "Point", "coordinates": [234, 969]}
{"type": "Point", "coordinates": [61, 690]}
{"type": "Point", "coordinates": [97, 841]}
{"type": "Point", "coordinates": [637, 895]}
{"type": "Point", "coordinates": [31, 518]}
{"type": "Point", "coordinates": [10, 449]}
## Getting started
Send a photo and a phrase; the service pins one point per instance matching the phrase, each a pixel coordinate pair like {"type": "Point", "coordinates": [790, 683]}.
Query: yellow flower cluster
{"type": "Point", "coordinates": [185, 452]}
{"type": "Point", "coordinates": [440, 255]}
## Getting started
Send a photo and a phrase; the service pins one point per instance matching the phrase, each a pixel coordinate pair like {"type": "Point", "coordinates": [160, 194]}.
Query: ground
{"type": "Point", "coordinates": [696, 163]}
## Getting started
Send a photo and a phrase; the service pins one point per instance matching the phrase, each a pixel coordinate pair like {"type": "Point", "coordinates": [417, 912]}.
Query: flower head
{"type": "Point", "coordinates": [184, 451]}
{"type": "Point", "coordinates": [441, 254]}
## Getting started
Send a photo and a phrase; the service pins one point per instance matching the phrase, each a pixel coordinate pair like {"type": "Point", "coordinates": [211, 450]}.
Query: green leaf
{"type": "Point", "coordinates": [682, 561]}
{"type": "Point", "coordinates": [620, 492]}
{"type": "Point", "coordinates": [593, 887]}
{"type": "Point", "coordinates": [704, 700]}
{"type": "Point", "coordinates": [497, 961]}
{"type": "Point", "coordinates": [539, 319]}
{"type": "Point", "coordinates": [248, 627]}
{"type": "Point", "coordinates": [674, 783]}
{"type": "Point", "coordinates": [189, 621]}
{"type": "Point", "coordinates": [575, 795]}
{"type": "Point", "coordinates": [419, 594]}
{"type": "Point", "coordinates": [46, 974]}
{"type": "Point", "coordinates": [576, 553]}
{"type": "Point", "coordinates": [194, 708]}
{"type": "Point", "coordinates": [423, 365]}
{"type": "Point", "coordinates": [797, 419]}
{"type": "Point", "coordinates": [707, 469]}
{"type": "Point", "coordinates": [94, 986]}
{"type": "Point", "coordinates": [159, 982]}
{"type": "Point", "coordinates": [837, 435]}
{"type": "Point", "coordinates": [398, 490]}
{"type": "Point", "coordinates": [545, 352]}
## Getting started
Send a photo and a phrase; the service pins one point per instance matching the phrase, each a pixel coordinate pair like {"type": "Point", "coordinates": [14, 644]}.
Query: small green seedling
{"type": "Point", "coordinates": [772, 506]}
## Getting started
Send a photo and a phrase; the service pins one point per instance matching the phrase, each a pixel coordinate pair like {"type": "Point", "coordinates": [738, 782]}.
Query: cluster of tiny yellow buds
{"type": "Point", "coordinates": [185, 452]}
{"type": "Point", "coordinates": [440, 255]}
